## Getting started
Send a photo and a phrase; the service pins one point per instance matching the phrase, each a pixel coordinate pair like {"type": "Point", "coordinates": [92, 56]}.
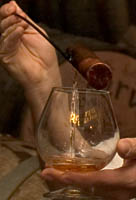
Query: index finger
{"type": "Point", "coordinates": [7, 9]}
{"type": "Point", "coordinates": [107, 177]}
{"type": "Point", "coordinates": [107, 183]}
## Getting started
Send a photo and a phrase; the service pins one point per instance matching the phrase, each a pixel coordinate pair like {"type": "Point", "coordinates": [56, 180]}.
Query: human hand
{"type": "Point", "coordinates": [116, 184]}
{"type": "Point", "coordinates": [26, 54]}
{"type": "Point", "coordinates": [30, 59]}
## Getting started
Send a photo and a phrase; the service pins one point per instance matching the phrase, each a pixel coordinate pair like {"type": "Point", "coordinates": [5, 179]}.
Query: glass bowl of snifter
{"type": "Point", "coordinates": [77, 132]}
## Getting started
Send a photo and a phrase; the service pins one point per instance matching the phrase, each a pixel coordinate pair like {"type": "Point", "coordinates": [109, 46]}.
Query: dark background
{"type": "Point", "coordinates": [103, 19]}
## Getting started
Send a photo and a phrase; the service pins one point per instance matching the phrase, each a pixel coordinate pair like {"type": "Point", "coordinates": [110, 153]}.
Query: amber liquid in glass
{"type": "Point", "coordinates": [69, 161]}
{"type": "Point", "coordinates": [75, 164]}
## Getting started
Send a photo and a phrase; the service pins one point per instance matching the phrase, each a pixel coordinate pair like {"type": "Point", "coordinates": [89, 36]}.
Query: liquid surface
{"type": "Point", "coordinates": [65, 163]}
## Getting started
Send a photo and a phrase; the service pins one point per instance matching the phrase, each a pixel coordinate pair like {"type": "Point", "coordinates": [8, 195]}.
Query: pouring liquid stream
{"type": "Point", "coordinates": [74, 114]}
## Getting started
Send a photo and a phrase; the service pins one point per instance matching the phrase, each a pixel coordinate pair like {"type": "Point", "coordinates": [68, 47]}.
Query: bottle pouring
{"type": "Point", "coordinates": [97, 73]}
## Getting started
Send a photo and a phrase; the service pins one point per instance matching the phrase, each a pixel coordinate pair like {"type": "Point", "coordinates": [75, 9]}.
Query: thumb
{"type": "Point", "coordinates": [127, 148]}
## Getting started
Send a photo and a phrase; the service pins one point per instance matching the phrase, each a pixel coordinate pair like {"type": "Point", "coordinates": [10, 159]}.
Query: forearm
{"type": "Point", "coordinates": [37, 94]}
{"type": "Point", "coordinates": [28, 58]}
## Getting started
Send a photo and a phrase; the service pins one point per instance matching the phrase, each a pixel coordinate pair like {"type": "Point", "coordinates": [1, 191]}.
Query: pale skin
{"type": "Point", "coordinates": [28, 57]}
{"type": "Point", "coordinates": [32, 61]}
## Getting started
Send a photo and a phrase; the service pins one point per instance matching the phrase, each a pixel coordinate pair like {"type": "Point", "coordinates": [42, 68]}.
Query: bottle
{"type": "Point", "coordinates": [97, 73]}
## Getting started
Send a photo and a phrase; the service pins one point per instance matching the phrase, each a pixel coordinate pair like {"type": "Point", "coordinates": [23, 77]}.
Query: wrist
{"type": "Point", "coordinates": [38, 93]}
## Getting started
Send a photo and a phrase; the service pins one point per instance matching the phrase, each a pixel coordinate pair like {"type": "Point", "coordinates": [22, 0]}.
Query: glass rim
{"type": "Point", "coordinates": [81, 90]}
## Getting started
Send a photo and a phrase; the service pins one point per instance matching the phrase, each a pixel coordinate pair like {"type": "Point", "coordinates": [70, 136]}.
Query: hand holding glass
{"type": "Point", "coordinates": [77, 132]}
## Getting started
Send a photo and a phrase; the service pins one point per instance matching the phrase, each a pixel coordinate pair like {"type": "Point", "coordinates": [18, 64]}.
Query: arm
{"type": "Point", "coordinates": [28, 57]}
